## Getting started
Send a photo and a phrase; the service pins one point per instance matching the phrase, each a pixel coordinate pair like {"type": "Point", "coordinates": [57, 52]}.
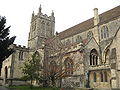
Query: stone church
{"type": "Point", "coordinates": [87, 53]}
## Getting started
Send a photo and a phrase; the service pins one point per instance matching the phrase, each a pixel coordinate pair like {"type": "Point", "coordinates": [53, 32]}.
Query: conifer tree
{"type": "Point", "coordinates": [5, 41]}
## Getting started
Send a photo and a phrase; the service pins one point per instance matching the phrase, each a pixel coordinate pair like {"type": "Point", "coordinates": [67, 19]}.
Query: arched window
{"type": "Point", "coordinates": [20, 55]}
{"type": "Point", "coordinates": [104, 32]}
{"type": "Point", "coordinates": [48, 30]}
{"type": "Point", "coordinates": [6, 74]}
{"type": "Point", "coordinates": [107, 56]}
{"type": "Point", "coordinates": [93, 57]}
{"type": "Point", "coordinates": [53, 66]}
{"type": "Point", "coordinates": [43, 28]}
{"type": "Point", "coordinates": [78, 39]}
{"type": "Point", "coordinates": [95, 77]}
{"type": "Point", "coordinates": [101, 76]}
{"type": "Point", "coordinates": [34, 26]}
{"type": "Point", "coordinates": [105, 76]}
{"type": "Point", "coordinates": [68, 66]}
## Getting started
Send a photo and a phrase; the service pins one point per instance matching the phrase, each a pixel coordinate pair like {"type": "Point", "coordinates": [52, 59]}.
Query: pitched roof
{"type": "Point", "coordinates": [86, 25]}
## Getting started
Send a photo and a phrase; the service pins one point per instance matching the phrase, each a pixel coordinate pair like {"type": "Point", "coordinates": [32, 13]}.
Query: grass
{"type": "Point", "coordinates": [28, 88]}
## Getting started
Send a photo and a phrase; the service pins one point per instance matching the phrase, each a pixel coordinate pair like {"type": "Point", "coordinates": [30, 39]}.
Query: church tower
{"type": "Point", "coordinates": [41, 28]}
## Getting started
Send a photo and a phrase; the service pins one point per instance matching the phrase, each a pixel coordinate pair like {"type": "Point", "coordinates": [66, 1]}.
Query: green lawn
{"type": "Point", "coordinates": [28, 88]}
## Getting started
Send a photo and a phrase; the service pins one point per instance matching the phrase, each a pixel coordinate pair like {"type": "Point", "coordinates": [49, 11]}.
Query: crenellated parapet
{"type": "Point", "coordinates": [42, 16]}
{"type": "Point", "coordinates": [19, 47]}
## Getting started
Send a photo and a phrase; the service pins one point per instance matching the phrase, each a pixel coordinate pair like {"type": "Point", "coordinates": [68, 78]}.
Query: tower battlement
{"type": "Point", "coordinates": [43, 16]}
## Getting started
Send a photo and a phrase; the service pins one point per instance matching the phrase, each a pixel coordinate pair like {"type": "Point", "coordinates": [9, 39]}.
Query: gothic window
{"type": "Point", "coordinates": [95, 77]}
{"type": "Point", "coordinates": [48, 30]}
{"type": "Point", "coordinates": [104, 32]}
{"type": "Point", "coordinates": [21, 55]}
{"type": "Point", "coordinates": [34, 25]}
{"type": "Point", "coordinates": [89, 35]}
{"type": "Point", "coordinates": [107, 55]}
{"type": "Point", "coordinates": [53, 66]}
{"type": "Point", "coordinates": [68, 66]}
{"type": "Point", "coordinates": [6, 74]}
{"type": "Point", "coordinates": [78, 39]}
{"type": "Point", "coordinates": [101, 76]}
{"type": "Point", "coordinates": [105, 76]}
{"type": "Point", "coordinates": [93, 57]}
{"type": "Point", "coordinates": [43, 28]}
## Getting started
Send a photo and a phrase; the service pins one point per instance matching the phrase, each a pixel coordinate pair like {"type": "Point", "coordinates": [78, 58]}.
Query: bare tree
{"type": "Point", "coordinates": [55, 68]}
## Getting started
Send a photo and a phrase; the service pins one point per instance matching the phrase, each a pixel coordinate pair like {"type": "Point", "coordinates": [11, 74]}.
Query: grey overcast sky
{"type": "Point", "coordinates": [67, 13]}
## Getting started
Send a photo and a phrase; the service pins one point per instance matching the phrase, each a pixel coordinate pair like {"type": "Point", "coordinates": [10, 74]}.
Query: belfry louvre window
{"type": "Point", "coordinates": [104, 32]}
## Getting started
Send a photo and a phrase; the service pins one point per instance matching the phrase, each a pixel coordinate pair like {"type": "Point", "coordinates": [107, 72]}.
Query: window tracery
{"type": "Point", "coordinates": [93, 57]}
{"type": "Point", "coordinates": [89, 35]}
{"type": "Point", "coordinates": [104, 32]}
{"type": "Point", "coordinates": [68, 66]}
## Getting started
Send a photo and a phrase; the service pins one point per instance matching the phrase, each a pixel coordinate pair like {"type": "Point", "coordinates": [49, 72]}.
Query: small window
{"type": "Point", "coordinates": [101, 76]}
{"type": "Point", "coordinates": [95, 77]}
{"type": "Point", "coordinates": [21, 55]}
{"type": "Point", "coordinates": [105, 76]}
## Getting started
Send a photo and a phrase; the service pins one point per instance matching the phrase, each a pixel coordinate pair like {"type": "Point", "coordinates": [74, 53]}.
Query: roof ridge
{"type": "Point", "coordinates": [87, 24]}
